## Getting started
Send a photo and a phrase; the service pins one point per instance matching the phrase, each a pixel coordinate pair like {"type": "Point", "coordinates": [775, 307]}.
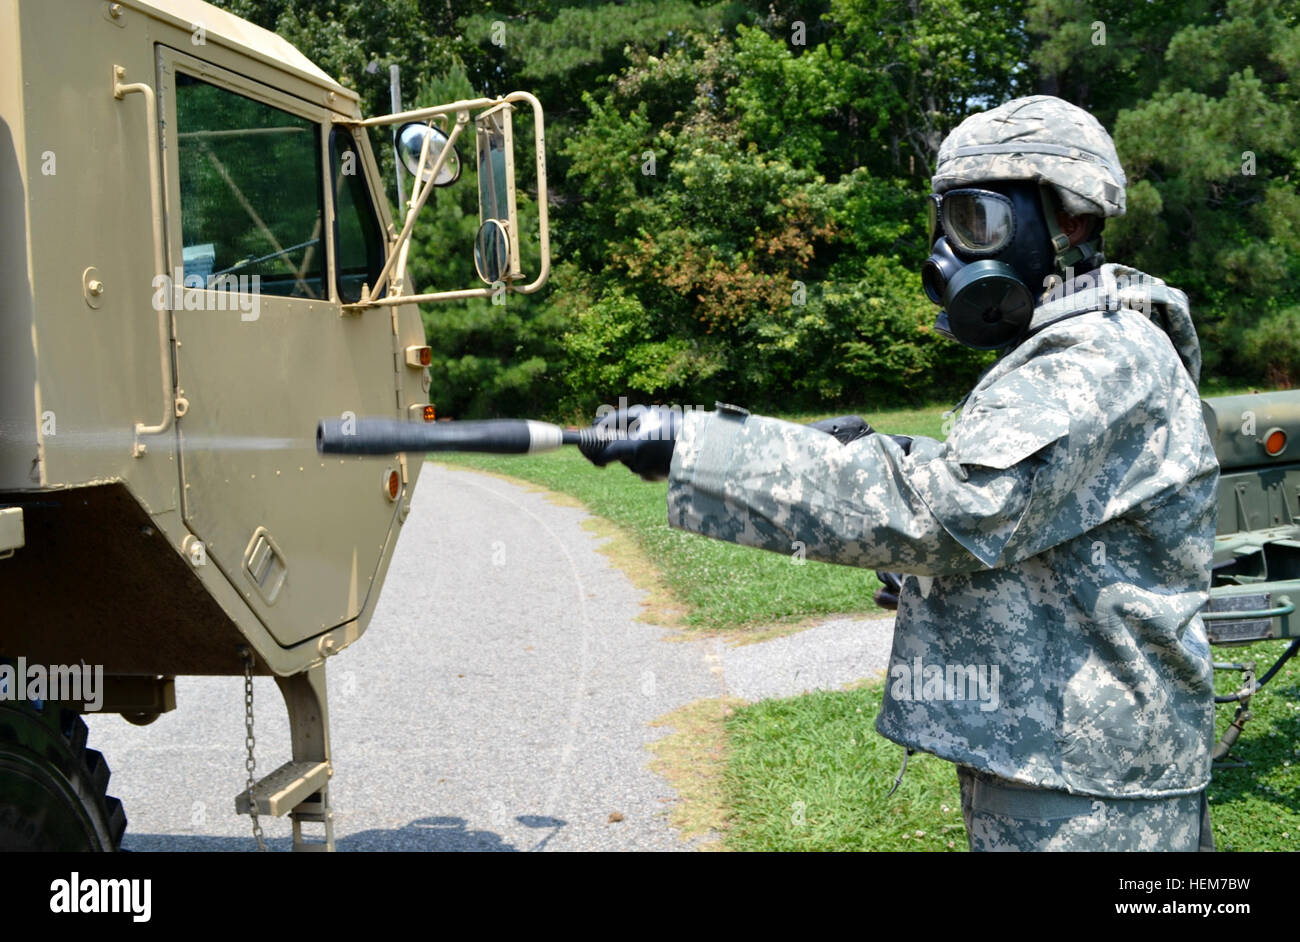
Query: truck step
{"type": "Point", "coordinates": [285, 788]}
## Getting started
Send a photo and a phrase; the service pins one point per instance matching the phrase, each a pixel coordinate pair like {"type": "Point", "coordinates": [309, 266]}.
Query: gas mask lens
{"type": "Point", "coordinates": [977, 222]}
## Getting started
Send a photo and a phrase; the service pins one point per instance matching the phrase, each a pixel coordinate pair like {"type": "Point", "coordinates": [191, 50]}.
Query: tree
{"type": "Point", "coordinates": [1213, 158]}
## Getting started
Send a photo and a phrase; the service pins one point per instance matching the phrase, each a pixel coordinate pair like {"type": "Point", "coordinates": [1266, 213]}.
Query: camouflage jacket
{"type": "Point", "coordinates": [1058, 545]}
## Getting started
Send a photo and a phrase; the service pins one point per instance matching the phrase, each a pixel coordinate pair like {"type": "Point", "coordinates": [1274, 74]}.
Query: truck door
{"type": "Point", "coordinates": [262, 193]}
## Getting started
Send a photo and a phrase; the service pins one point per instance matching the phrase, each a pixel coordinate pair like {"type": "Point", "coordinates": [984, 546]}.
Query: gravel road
{"type": "Point", "coordinates": [499, 701]}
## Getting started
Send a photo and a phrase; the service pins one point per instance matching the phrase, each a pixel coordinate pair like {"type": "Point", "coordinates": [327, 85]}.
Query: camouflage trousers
{"type": "Point", "coordinates": [1002, 815]}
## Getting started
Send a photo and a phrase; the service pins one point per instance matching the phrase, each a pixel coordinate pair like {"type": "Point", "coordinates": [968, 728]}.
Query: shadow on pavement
{"type": "Point", "coordinates": [435, 834]}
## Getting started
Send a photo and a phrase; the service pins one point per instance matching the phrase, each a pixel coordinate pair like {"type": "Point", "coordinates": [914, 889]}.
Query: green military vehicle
{"type": "Point", "coordinates": [1257, 550]}
{"type": "Point", "coordinates": [199, 262]}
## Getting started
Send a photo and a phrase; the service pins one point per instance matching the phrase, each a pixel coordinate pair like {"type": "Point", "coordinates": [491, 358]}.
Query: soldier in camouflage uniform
{"type": "Point", "coordinates": [1057, 545]}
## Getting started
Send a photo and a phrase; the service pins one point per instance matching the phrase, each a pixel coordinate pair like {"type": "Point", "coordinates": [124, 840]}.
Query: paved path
{"type": "Point", "coordinates": [826, 657]}
{"type": "Point", "coordinates": [499, 701]}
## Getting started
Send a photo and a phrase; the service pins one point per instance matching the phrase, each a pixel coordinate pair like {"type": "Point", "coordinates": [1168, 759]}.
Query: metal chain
{"type": "Point", "coordinates": [249, 742]}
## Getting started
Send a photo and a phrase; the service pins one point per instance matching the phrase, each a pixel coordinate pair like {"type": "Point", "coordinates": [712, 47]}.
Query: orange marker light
{"type": "Point", "coordinates": [1274, 442]}
{"type": "Point", "coordinates": [430, 413]}
{"type": "Point", "coordinates": [392, 484]}
{"type": "Point", "coordinates": [419, 357]}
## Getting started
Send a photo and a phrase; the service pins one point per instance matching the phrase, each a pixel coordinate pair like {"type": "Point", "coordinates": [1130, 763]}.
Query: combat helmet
{"type": "Point", "coordinates": [1039, 138]}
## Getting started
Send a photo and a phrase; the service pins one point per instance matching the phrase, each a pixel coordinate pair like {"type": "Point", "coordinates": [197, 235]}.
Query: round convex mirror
{"type": "Point", "coordinates": [492, 251]}
{"type": "Point", "coordinates": [410, 141]}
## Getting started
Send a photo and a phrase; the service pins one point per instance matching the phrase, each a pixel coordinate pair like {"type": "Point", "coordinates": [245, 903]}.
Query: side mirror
{"type": "Point", "coordinates": [430, 154]}
{"type": "Point", "coordinates": [492, 251]}
{"type": "Point", "coordinates": [411, 140]}
{"type": "Point", "coordinates": [498, 233]}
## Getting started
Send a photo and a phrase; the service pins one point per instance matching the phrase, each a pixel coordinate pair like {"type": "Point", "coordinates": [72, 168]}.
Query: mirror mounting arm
{"type": "Point", "coordinates": [416, 203]}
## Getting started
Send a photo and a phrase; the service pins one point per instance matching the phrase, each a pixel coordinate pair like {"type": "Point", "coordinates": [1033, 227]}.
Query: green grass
{"type": "Point", "coordinates": [821, 749]}
{"type": "Point", "coordinates": [927, 421]}
{"type": "Point", "coordinates": [720, 585]}
{"type": "Point", "coordinates": [1212, 388]}
{"type": "Point", "coordinates": [1257, 807]}
{"type": "Point", "coordinates": [812, 773]}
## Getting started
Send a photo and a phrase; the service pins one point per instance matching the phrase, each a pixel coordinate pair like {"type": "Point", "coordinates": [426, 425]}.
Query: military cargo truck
{"type": "Point", "coordinates": [199, 260]}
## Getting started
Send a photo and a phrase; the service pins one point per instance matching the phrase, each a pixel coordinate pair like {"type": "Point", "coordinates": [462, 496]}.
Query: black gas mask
{"type": "Point", "coordinates": [993, 253]}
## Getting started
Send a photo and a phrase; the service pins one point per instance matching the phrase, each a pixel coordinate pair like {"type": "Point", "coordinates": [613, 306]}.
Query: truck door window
{"type": "Point", "coordinates": [251, 201]}
{"type": "Point", "coordinates": [358, 237]}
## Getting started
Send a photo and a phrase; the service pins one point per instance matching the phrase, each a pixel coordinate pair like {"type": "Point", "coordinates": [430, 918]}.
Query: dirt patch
{"type": "Point", "coordinates": [693, 759]}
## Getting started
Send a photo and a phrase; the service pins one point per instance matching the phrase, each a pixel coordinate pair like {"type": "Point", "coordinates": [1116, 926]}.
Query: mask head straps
{"type": "Point", "coordinates": [1086, 254]}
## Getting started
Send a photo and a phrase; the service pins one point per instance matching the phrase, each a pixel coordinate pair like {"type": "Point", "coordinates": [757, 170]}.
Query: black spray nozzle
{"type": "Point", "coordinates": [361, 436]}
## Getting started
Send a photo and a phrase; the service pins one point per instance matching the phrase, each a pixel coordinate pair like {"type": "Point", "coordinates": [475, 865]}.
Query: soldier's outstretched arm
{"type": "Point", "coordinates": [775, 485]}
{"type": "Point", "coordinates": [1090, 423]}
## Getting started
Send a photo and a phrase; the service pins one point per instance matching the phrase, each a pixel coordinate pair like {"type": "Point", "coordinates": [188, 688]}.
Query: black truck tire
{"type": "Point", "coordinates": [52, 788]}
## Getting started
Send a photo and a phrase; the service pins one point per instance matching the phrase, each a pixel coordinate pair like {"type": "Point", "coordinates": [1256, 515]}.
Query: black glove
{"type": "Point", "coordinates": [849, 428]}
{"type": "Point", "coordinates": [642, 437]}
{"type": "Point", "coordinates": [891, 587]}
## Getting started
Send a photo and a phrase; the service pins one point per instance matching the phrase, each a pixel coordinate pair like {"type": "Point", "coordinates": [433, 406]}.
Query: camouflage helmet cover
{"type": "Point", "coordinates": [1039, 138]}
